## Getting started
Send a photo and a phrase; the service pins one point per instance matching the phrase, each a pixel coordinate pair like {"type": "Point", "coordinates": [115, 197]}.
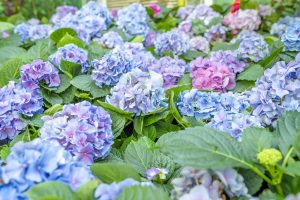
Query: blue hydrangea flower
{"type": "Point", "coordinates": [71, 53]}
{"type": "Point", "coordinates": [82, 129]}
{"type": "Point", "coordinates": [174, 41]}
{"type": "Point", "coordinates": [133, 20]}
{"type": "Point", "coordinates": [216, 33]}
{"type": "Point", "coordinates": [61, 12]}
{"type": "Point", "coordinates": [110, 40]}
{"type": "Point", "coordinates": [170, 68]}
{"type": "Point", "coordinates": [32, 30]}
{"type": "Point", "coordinates": [253, 48]}
{"type": "Point", "coordinates": [291, 37]}
{"type": "Point", "coordinates": [38, 161]}
{"type": "Point", "coordinates": [138, 92]}
{"type": "Point", "coordinates": [280, 27]}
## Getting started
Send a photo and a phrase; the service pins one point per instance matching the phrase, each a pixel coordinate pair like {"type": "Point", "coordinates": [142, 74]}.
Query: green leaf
{"type": "Point", "coordinates": [268, 195]}
{"type": "Point", "coordinates": [272, 58]}
{"type": "Point", "coordinates": [54, 109]}
{"type": "Point", "coordinates": [4, 26]}
{"type": "Point", "coordinates": [198, 26]}
{"type": "Point", "coordinates": [64, 83]}
{"type": "Point", "coordinates": [96, 51]}
{"type": "Point", "coordinates": [203, 147]}
{"type": "Point", "coordinates": [244, 85]}
{"type": "Point", "coordinates": [10, 70]}
{"type": "Point", "coordinates": [139, 192]}
{"type": "Point", "coordinates": [58, 34]}
{"type": "Point", "coordinates": [42, 50]}
{"type": "Point", "coordinates": [118, 123]}
{"type": "Point", "coordinates": [10, 52]}
{"type": "Point", "coordinates": [192, 55]}
{"type": "Point", "coordinates": [251, 73]}
{"type": "Point", "coordinates": [293, 169]}
{"type": "Point", "coordinates": [252, 180]}
{"type": "Point", "coordinates": [288, 128]}
{"type": "Point", "coordinates": [69, 68]}
{"type": "Point", "coordinates": [82, 82]}
{"type": "Point", "coordinates": [12, 40]}
{"type": "Point", "coordinates": [174, 111]}
{"type": "Point", "coordinates": [87, 190]}
{"type": "Point", "coordinates": [4, 152]}
{"type": "Point", "coordinates": [98, 92]}
{"type": "Point", "coordinates": [225, 46]}
{"type": "Point", "coordinates": [53, 190]}
{"type": "Point", "coordinates": [151, 119]}
{"type": "Point", "coordinates": [215, 21]}
{"type": "Point", "coordinates": [138, 124]}
{"type": "Point", "coordinates": [138, 39]}
{"type": "Point", "coordinates": [68, 95]}
{"type": "Point", "coordinates": [150, 132]}
{"type": "Point", "coordinates": [69, 39]}
{"type": "Point", "coordinates": [164, 127]}
{"type": "Point", "coordinates": [185, 80]}
{"type": "Point", "coordinates": [107, 106]}
{"type": "Point", "coordinates": [114, 172]}
{"type": "Point", "coordinates": [23, 137]}
{"type": "Point", "coordinates": [51, 97]}
{"type": "Point", "coordinates": [34, 121]}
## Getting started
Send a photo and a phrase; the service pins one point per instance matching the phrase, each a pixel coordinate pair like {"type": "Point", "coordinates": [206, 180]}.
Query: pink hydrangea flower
{"type": "Point", "coordinates": [210, 75]}
{"type": "Point", "coordinates": [156, 8]}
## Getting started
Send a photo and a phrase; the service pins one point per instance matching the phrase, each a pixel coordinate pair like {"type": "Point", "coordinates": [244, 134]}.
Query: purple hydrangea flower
{"type": "Point", "coordinates": [133, 20]}
{"type": "Point", "coordinates": [280, 27]}
{"type": "Point", "coordinates": [203, 12]}
{"type": "Point", "coordinates": [173, 41]}
{"type": "Point", "coordinates": [293, 196]}
{"type": "Point", "coordinates": [186, 27]}
{"type": "Point", "coordinates": [195, 183]}
{"type": "Point", "coordinates": [291, 37]}
{"type": "Point", "coordinates": [149, 40]}
{"type": "Point", "coordinates": [199, 44]}
{"type": "Point", "coordinates": [216, 33]}
{"type": "Point", "coordinates": [39, 161]}
{"type": "Point", "coordinates": [82, 129]}
{"type": "Point", "coordinates": [265, 10]}
{"type": "Point", "coordinates": [71, 53]}
{"type": "Point", "coordinates": [229, 59]}
{"type": "Point", "coordinates": [138, 92]}
{"type": "Point", "coordinates": [184, 12]}
{"type": "Point", "coordinates": [171, 69]}
{"type": "Point", "coordinates": [61, 12]}
{"type": "Point", "coordinates": [153, 172]}
{"type": "Point", "coordinates": [110, 40]}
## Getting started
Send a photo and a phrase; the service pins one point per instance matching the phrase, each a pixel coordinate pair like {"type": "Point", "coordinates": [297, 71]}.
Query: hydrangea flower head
{"type": "Point", "coordinates": [133, 20]}
{"type": "Point", "coordinates": [153, 172]}
{"type": "Point", "coordinates": [61, 12]}
{"type": "Point", "coordinates": [211, 75]}
{"type": "Point", "coordinates": [39, 161]}
{"type": "Point", "coordinates": [71, 53]}
{"type": "Point", "coordinates": [171, 69]}
{"type": "Point", "coordinates": [199, 44]}
{"type": "Point", "coordinates": [291, 37]}
{"type": "Point", "coordinates": [184, 12]}
{"type": "Point", "coordinates": [110, 40]}
{"type": "Point", "coordinates": [32, 30]}
{"type": "Point", "coordinates": [216, 33]}
{"type": "Point", "coordinates": [138, 92]}
{"type": "Point", "coordinates": [186, 27]}
{"type": "Point", "coordinates": [269, 157]}
{"type": "Point", "coordinates": [265, 10]}
{"type": "Point", "coordinates": [204, 13]}
{"type": "Point", "coordinates": [82, 129]}
{"type": "Point", "coordinates": [174, 41]}
{"type": "Point", "coordinates": [280, 27]}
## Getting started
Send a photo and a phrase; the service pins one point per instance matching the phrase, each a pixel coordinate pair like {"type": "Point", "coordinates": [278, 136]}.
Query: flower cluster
{"type": "Point", "coordinates": [88, 22]}
{"type": "Point", "coordinates": [195, 183]}
{"type": "Point", "coordinates": [138, 92]}
{"type": "Point", "coordinates": [248, 20]}
{"type": "Point", "coordinates": [38, 161]}
{"type": "Point", "coordinates": [269, 157]}
{"type": "Point", "coordinates": [184, 12]}
{"type": "Point", "coordinates": [265, 10]}
{"type": "Point", "coordinates": [291, 37]}
{"type": "Point", "coordinates": [154, 171]}
{"type": "Point", "coordinates": [82, 129]}
{"type": "Point", "coordinates": [61, 12]}
{"type": "Point", "coordinates": [149, 40]}
{"type": "Point", "coordinates": [32, 30]}
{"type": "Point", "coordinates": [199, 44]}
{"type": "Point", "coordinates": [216, 33]}
{"type": "Point", "coordinates": [253, 47]}
{"type": "Point", "coordinates": [71, 53]}
{"type": "Point", "coordinates": [173, 41]}
{"type": "Point", "coordinates": [133, 20]}
{"type": "Point", "coordinates": [110, 40]}
{"type": "Point", "coordinates": [204, 13]}
{"type": "Point", "coordinates": [211, 75]}
{"type": "Point", "coordinates": [276, 91]}
{"type": "Point", "coordinates": [186, 27]}
{"type": "Point", "coordinates": [280, 27]}
{"type": "Point", "coordinates": [171, 69]}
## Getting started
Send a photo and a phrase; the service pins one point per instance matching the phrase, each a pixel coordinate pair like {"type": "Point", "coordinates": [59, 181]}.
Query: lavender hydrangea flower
{"type": "Point", "coordinates": [229, 59]}
{"type": "Point", "coordinates": [186, 27]}
{"type": "Point", "coordinates": [203, 12]}
{"type": "Point", "coordinates": [216, 33]}
{"type": "Point", "coordinates": [293, 197]}
{"type": "Point", "coordinates": [110, 40]}
{"type": "Point", "coordinates": [133, 20]}
{"type": "Point", "coordinates": [199, 44]}
{"type": "Point", "coordinates": [138, 92]}
{"type": "Point", "coordinates": [291, 37]}
{"type": "Point", "coordinates": [265, 10]}
{"type": "Point", "coordinates": [280, 27]}
{"type": "Point", "coordinates": [149, 40]}
{"type": "Point", "coordinates": [153, 172]}
{"type": "Point", "coordinates": [171, 69]}
{"type": "Point", "coordinates": [39, 161]}
{"type": "Point", "coordinates": [184, 12]}
{"type": "Point", "coordinates": [173, 41]}
{"type": "Point", "coordinates": [61, 12]}
{"type": "Point", "coordinates": [253, 48]}
{"type": "Point", "coordinates": [71, 53]}
{"type": "Point", "coordinates": [82, 129]}
{"type": "Point", "coordinates": [195, 183]}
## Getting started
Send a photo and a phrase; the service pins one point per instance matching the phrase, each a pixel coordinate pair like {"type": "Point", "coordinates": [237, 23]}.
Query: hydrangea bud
{"type": "Point", "coordinates": [269, 157]}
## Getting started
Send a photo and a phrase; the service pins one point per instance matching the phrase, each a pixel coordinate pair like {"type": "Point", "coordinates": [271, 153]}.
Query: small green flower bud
{"type": "Point", "coordinates": [269, 157]}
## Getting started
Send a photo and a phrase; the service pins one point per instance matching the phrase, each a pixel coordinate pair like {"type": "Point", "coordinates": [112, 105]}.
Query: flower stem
{"type": "Point", "coordinates": [286, 158]}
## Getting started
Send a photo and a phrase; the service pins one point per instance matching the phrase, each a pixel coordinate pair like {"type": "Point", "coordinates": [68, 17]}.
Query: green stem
{"type": "Point", "coordinates": [279, 189]}
{"type": "Point", "coordinates": [286, 158]}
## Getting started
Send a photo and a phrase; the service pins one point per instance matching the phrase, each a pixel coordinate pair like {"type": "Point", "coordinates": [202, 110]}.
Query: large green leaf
{"type": "Point", "coordinates": [293, 169]}
{"type": "Point", "coordinates": [69, 68]}
{"type": "Point", "coordinates": [4, 26]}
{"type": "Point", "coordinates": [251, 73]}
{"type": "Point", "coordinates": [58, 34]}
{"type": "Point", "coordinates": [277, 48]}
{"type": "Point", "coordinates": [87, 190]}
{"type": "Point", "coordinates": [164, 127]}
{"type": "Point", "coordinates": [82, 82]}
{"type": "Point", "coordinates": [96, 51]}
{"type": "Point", "coordinates": [151, 119]}
{"type": "Point", "coordinates": [10, 52]}
{"type": "Point", "coordinates": [118, 123]}
{"type": "Point", "coordinates": [174, 111]}
{"type": "Point", "coordinates": [51, 97]}
{"type": "Point", "coordinates": [225, 46]}
{"type": "Point", "coordinates": [244, 85]}
{"type": "Point", "coordinates": [143, 193]}
{"type": "Point", "coordinates": [69, 39]}
{"type": "Point", "coordinates": [107, 106]}
{"type": "Point", "coordinates": [64, 84]}
{"type": "Point", "coordinates": [53, 190]}
{"type": "Point", "coordinates": [204, 147]}
{"type": "Point", "coordinates": [253, 181]}
{"type": "Point", "coordinates": [4, 152]}
{"type": "Point", "coordinates": [10, 70]}
{"type": "Point", "coordinates": [114, 172]}
{"type": "Point", "coordinates": [42, 50]}
{"type": "Point", "coordinates": [138, 124]}
{"type": "Point", "coordinates": [12, 40]}
{"type": "Point", "coordinates": [288, 128]}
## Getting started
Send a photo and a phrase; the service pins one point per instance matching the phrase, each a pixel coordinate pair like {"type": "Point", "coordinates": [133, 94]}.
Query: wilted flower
{"type": "Point", "coordinates": [173, 41]}
{"type": "Point", "coordinates": [184, 12]}
{"type": "Point", "coordinates": [269, 157]}
{"type": "Point", "coordinates": [155, 7]}
{"type": "Point", "coordinates": [138, 92]}
{"type": "Point", "coordinates": [133, 20]}
{"type": "Point", "coordinates": [82, 129]}
{"type": "Point", "coordinates": [216, 33]}
{"type": "Point", "coordinates": [39, 161]}
{"type": "Point", "coordinates": [71, 53]}
{"type": "Point", "coordinates": [211, 75]}
{"type": "Point", "coordinates": [291, 37]}
{"type": "Point", "coordinates": [199, 44]}
{"type": "Point", "coordinates": [243, 20]}
{"type": "Point", "coordinates": [204, 13]}
{"type": "Point", "coordinates": [110, 40]}
{"type": "Point", "coordinates": [170, 68]}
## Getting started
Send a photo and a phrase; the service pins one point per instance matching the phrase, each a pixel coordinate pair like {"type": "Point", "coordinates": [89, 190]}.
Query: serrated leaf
{"type": "Point", "coordinates": [10, 70]}
{"type": "Point", "coordinates": [114, 172]}
{"type": "Point", "coordinates": [69, 68]}
{"type": "Point", "coordinates": [98, 92]}
{"type": "Point", "coordinates": [58, 34]}
{"type": "Point", "coordinates": [243, 85]}
{"type": "Point", "coordinates": [204, 148]}
{"type": "Point", "coordinates": [34, 121]}
{"type": "Point", "coordinates": [86, 191]}
{"type": "Point", "coordinates": [151, 119]}
{"type": "Point", "coordinates": [251, 73]}
{"type": "Point", "coordinates": [51, 97]}
{"type": "Point", "coordinates": [139, 192]}
{"type": "Point", "coordinates": [41, 50]}
{"type": "Point", "coordinates": [51, 190]}
{"type": "Point", "coordinates": [82, 82]}
{"type": "Point", "coordinates": [64, 84]}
